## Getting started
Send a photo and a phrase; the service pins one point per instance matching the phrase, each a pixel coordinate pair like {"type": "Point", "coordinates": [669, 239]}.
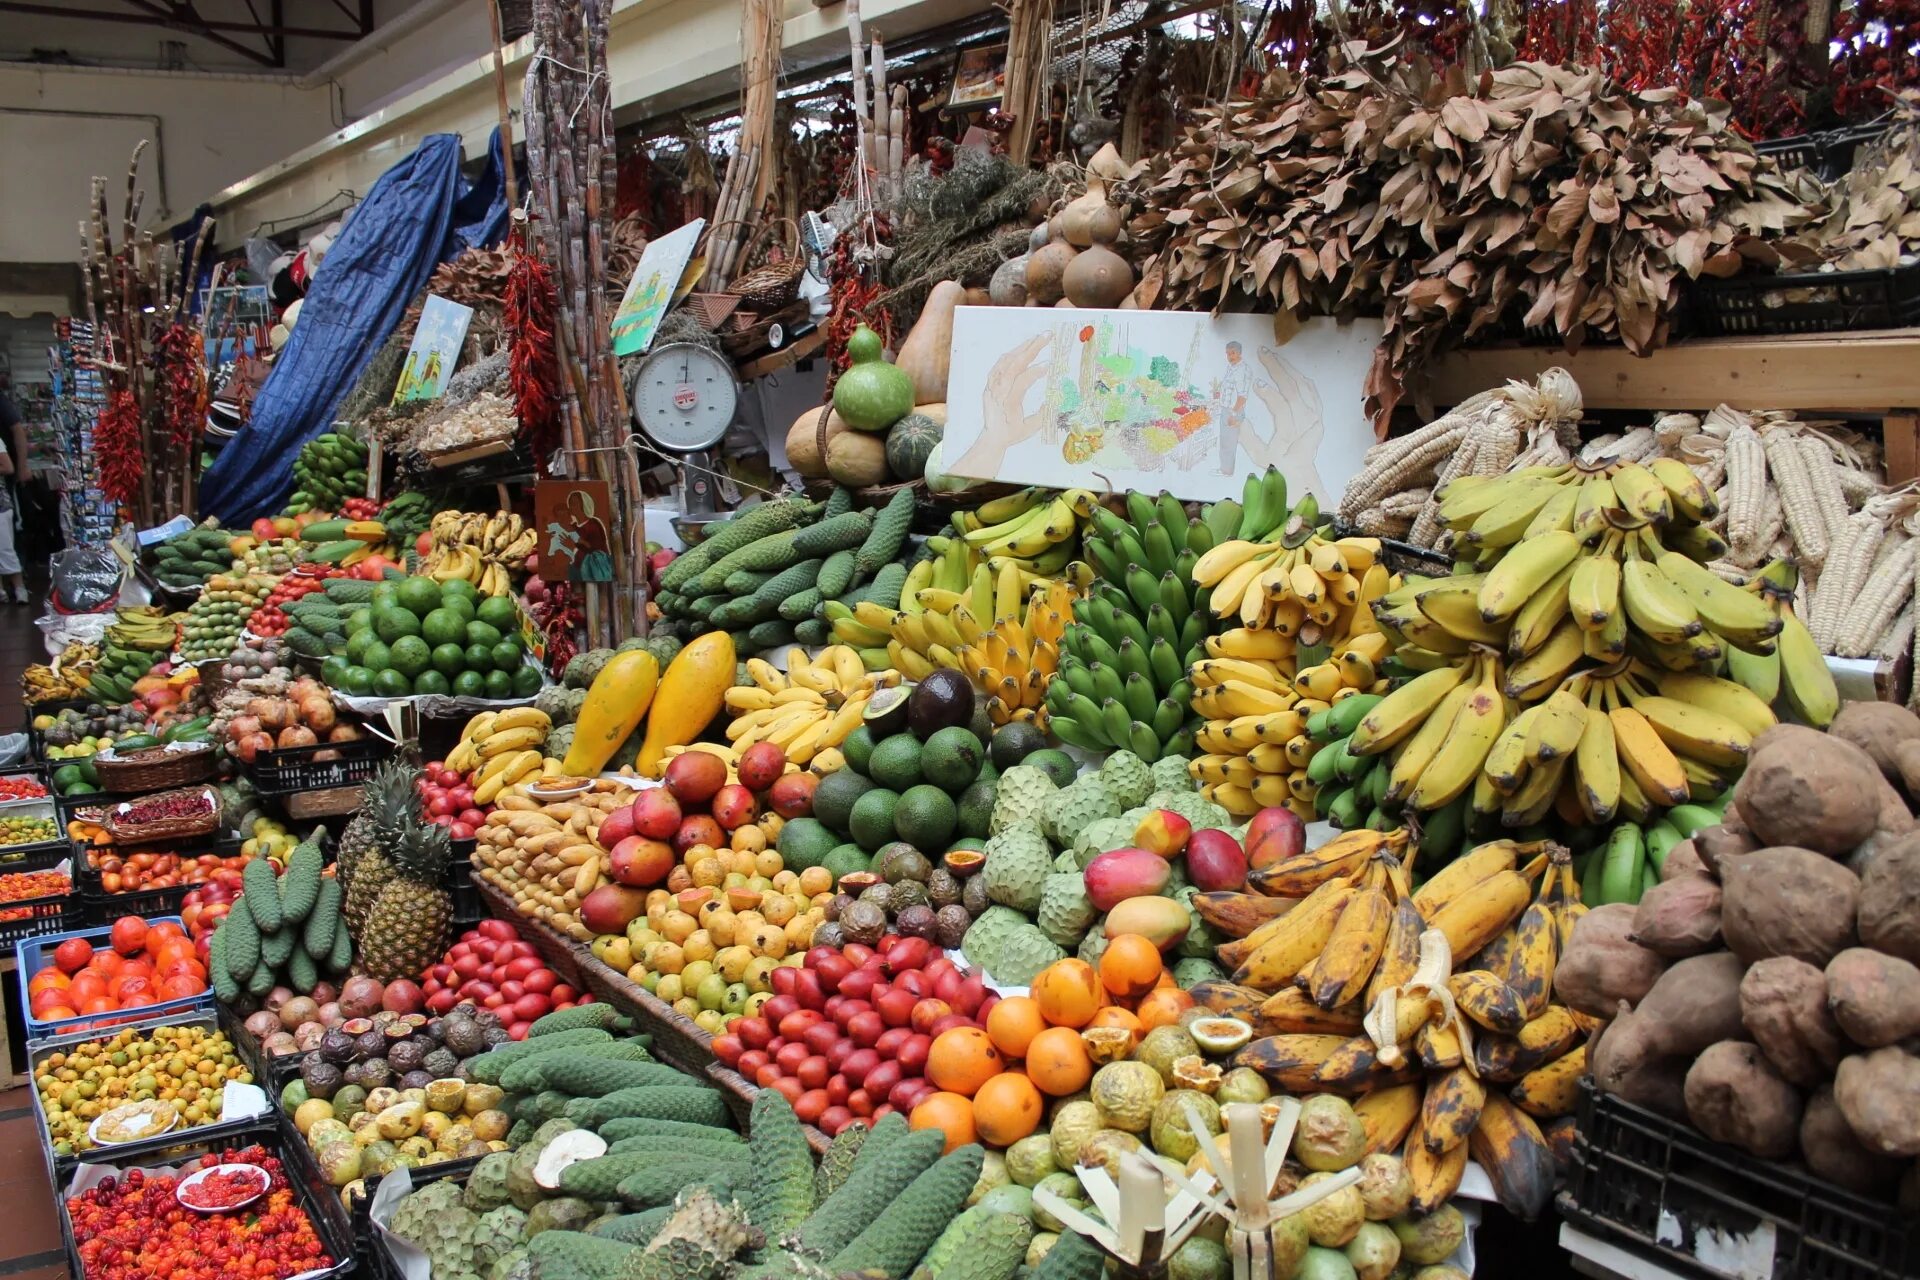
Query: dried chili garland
{"type": "Point", "coordinates": [531, 368]}
{"type": "Point", "coordinates": [180, 383]}
{"type": "Point", "coordinates": [116, 442]}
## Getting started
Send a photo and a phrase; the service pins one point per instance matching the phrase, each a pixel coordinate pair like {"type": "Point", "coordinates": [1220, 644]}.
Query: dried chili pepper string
{"type": "Point", "coordinates": [116, 443]}
{"type": "Point", "coordinates": [532, 369]}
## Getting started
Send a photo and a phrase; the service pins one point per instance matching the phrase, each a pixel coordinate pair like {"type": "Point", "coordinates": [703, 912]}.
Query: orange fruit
{"type": "Point", "coordinates": [1130, 966]}
{"type": "Point", "coordinates": [86, 985]}
{"type": "Point", "coordinates": [56, 1013]}
{"type": "Point", "coordinates": [948, 1112]}
{"type": "Point", "coordinates": [47, 978]}
{"type": "Point", "coordinates": [1013, 1024]}
{"type": "Point", "coordinates": [1008, 1108]}
{"type": "Point", "coordinates": [962, 1059]}
{"type": "Point", "coordinates": [1162, 1006]}
{"type": "Point", "coordinates": [1057, 1062]}
{"type": "Point", "coordinates": [1068, 992]}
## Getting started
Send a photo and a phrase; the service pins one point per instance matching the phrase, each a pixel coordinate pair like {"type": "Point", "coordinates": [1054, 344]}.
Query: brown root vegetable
{"type": "Point", "coordinates": [1735, 1096]}
{"type": "Point", "coordinates": [1694, 1004]}
{"type": "Point", "coordinates": [1892, 817]}
{"type": "Point", "coordinates": [1832, 1150]}
{"type": "Point", "coordinates": [1875, 997]}
{"type": "Point", "coordinates": [1656, 1083]}
{"type": "Point", "coordinates": [1603, 965]}
{"type": "Point", "coordinates": [1715, 843]}
{"type": "Point", "coordinates": [1808, 790]}
{"type": "Point", "coordinates": [1682, 860]}
{"type": "Point", "coordinates": [1879, 1094]}
{"type": "Point", "coordinates": [1679, 918]}
{"type": "Point", "coordinates": [1906, 759]}
{"type": "Point", "coordinates": [1783, 1005]}
{"type": "Point", "coordinates": [1877, 728]}
{"type": "Point", "coordinates": [1890, 900]}
{"type": "Point", "coordinates": [1788, 902]}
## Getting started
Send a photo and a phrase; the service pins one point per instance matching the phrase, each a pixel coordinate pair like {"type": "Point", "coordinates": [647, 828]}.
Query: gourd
{"type": "Point", "coordinates": [857, 459]}
{"type": "Point", "coordinates": [1097, 277]}
{"type": "Point", "coordinates": [924, 356]}
{"type": "Point", "coordinates": [871, 395]}
{"type": "Point", "coordinates": [690, 696]}
{"type": "Point", "coordinates": [1046, 272]}
{"type": "Point", "coordinates": [616, 702]}
{"type": "Point", "coordinates": [936, 477]}
{"type": "Point", "coordinates": [1008, 287]}
{"type": "Point", "coordinates": [803, 442]}
{"type": "Point", "coordinates": [912, 439]}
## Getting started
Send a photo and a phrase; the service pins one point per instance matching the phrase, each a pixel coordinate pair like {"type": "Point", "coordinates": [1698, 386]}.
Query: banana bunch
{"type": "Point", "coordinates": [1795, 670]}
{"type": "Point", "coordinates": [805, 711]}
{"type": "Point", "coordinates": [1015, 660]}
{"type": "Point", "coordinates": [1035, 531]}
{"type": "Point", "coordinates": [66, 677]}
{"type": "Point", "coordinates": [1304, 585]}
{"type": "Point", "coordinates": [500, 771]}
{"type": "Point", "coordinates": [481, 549]}
{"type": "Point", "coordinates": [1122, 682]}
{"type": "Point", "coordinates": [492, 735]}
{"type": "Point", "coordinates": [1422, 1003]}
{"type": "Point", "coordinates": [142, 627]}
{"type": "Point", "coordinates": [1630, 858]}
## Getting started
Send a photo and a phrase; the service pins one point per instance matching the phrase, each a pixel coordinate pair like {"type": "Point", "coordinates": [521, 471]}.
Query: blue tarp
{"type": "Point", "coordinates": [420, 213]}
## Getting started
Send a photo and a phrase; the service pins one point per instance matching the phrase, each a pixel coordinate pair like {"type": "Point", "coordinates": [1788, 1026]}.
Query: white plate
{"type": "Point", "coordinates": [562, 792]}
{"type": "Point", "coordinates": [260, 1176]}
{"type": "Point", "coordinates": [93, 1130]}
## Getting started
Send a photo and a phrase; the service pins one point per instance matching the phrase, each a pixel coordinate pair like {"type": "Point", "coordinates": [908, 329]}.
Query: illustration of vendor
{"type": "Point", "coordinates": [581, 542]}
{"type": "Point", "coordinates": [1235, 385]}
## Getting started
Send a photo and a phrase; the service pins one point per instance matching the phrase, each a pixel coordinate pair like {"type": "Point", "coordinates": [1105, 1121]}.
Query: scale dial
{"type": "Point", "coordinates": [684, 396]}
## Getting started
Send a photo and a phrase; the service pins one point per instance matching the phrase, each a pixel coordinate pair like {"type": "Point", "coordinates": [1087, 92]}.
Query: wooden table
{"type": "Point", "coordinates": [1872, 374]}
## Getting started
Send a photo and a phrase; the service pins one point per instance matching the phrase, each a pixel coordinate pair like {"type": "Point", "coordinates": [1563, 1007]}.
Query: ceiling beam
{"type": "Point", "coordinates": [49, 10]}
{"type": "Point", "coordinates": [179, 15]}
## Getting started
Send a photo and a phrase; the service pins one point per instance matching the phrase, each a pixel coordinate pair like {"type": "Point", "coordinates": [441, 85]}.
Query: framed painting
{"type": "Point", "coordinates": [654, 288]}
{"type": "Point", "coordinates": [979, 79]}
{"type": "Point", "coordinates": [1150, 400]}
{"type": "Point", "coordinates": [572, 517]}
{"type": "Point", "coordinates": [435, 350]}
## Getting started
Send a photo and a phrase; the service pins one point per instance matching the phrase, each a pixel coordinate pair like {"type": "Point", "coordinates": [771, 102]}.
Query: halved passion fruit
{"type": "Point", "coordinates": [856, 883]}
{"type": "Point", "coordinates": [1195, 1072]}
{"type": "Point", "coordinates": [1220, 1035]}
{"type": "Point", "coordinates": [1107, 1044]}
{"type": "Point", "coordinates": [964, 862]}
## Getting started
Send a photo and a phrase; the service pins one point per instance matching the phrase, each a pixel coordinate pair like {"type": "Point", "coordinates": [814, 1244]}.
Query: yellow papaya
{"type": "Point", "coordinates": [691, 694]}
{"type": "Point", "coordinates": [616, 702]}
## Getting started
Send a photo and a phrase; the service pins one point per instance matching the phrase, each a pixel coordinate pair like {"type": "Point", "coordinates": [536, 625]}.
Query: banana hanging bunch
{"type": "Point", "coordinates": [500, 748]}
{"type": "Point", "coordinates": [1019, 540]}
{"type": "Point", "coordinates": [1433, 1007]}
{"type": "Point", "coordinates": [65, 677]}
{"type": "Point", "coordinates": [808, 710]}
{"type": "Point", "coordinates": [482, 549]}
{"type": "Point", "coordinates": [1014, 661]}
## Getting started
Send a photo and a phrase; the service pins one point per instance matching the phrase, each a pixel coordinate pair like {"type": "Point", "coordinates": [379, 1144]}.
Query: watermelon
{"type": "Point", "coordinates": [909, 443]}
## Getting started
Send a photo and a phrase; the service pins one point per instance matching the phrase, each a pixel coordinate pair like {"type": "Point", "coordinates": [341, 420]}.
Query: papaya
{"type": "Point", "coordinates": [689, 697]}
{"type": "Point", "coordinates": [616, 702]}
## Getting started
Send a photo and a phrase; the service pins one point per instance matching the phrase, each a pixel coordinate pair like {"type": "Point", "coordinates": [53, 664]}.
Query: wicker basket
{"type": "Point", "coordinates": [677, 1041]}
{"type": "Point", "coordinates": [189, 827]}
{"type": "Point", "coordinates": [331, 802]}
{"type": "Point", "coordinates": [154, 769]}
{"type": "Point", "coordinates": [774, 279]}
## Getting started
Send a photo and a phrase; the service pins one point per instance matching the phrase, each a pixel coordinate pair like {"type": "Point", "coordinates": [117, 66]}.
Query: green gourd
{"type": "Point", "coordinates": [871, 395]}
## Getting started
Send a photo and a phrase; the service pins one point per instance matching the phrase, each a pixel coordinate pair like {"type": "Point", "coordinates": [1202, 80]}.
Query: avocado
{"type": "Point", "coordinates": [952, 760]}
{"type": "Point", "coordinates": [871, 823]}
{"type": "Point", "coordinates": [834, 798]}
{"type": "Point", "coordinates": [975, 810]}
{"type": "Point", "coordinates": [888, 711]}
{"type": "Point", "coordinates": [895, 762]}
{"type": "Point", "coordinates": [1056, 764]}
{"type": "Point", "coordinates": [858, 748]}
{"type": "Point", "coordinates": [925, 817]}
{"type": "Point", "coordinates": [941, 701]}
{"type": "Point", "coordinates": [1013, 743]}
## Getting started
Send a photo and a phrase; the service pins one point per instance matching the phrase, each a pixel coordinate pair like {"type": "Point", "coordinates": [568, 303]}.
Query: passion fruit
{"type": "Point", "coordinates": [1031, 1159]}
{"type": "Point", "coordinates": [1219, 1036]}
{"type": "Point", "coordinates": [1161, 1047]}
{"type": "Point", "coordinates": [1329, 1136]}
{"type": "Point", "coordinates": [1107, 1044]}
{"type": "Point", "coordinates": [1196, 1073]}
{"type": "Point", "coordinates": [1172, 1126]}
{"type": "Point", "coordinates": [964, 862]}
{"type": "Point", "coordinates": [1068, 1188]}
{"type": "Point", "coordinates": [1242, 1084]}
{"type": "Point", "coordinates": [1104, 1148]}
{"type": "Point", "coordinates": [1337, 1218]}
{"type": "Point", "coordinates": [1073, 1123]}
{"type": "Point", "coordinates": [1127, 1093]}
{"type": "Point", "coordinates": [1385, 1186]}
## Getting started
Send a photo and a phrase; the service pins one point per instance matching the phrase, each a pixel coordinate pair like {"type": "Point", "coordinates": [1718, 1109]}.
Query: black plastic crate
{"type": "Point", "coordinates": [289, 770]}
{"type": "Point", "coordinates": [31, 917]}
{"type": "Point", "coordinates": [102, 908]}
{"type": "Point", "coordinates": [310, 1191]}
{"type": "Point", "coordinates": [1668, 1193]}
{"type": "Point", "coordinates": [1829, 153]}
{"type": "Point", "coordinates": [1809, 302]}
{"type": "Point", "coordinates": [379, 1258]}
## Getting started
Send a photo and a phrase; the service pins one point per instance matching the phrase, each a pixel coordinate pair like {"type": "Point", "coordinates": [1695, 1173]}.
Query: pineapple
{"type": "Point", "coordinates": [387, 809]}
{"type": "Point", "coordinates": [406, 929]}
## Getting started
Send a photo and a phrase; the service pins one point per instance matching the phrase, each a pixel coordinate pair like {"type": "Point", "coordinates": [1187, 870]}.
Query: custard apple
{"type": "Point", "coordinates": [1127, 777]}
{"type": "Point", "coordinates": [1066, 812]}
{"type": "Point", "coordinates": [500, 1230]}
{"type": "Point", "coordinates": [982, 942]}
{"type": "Point", "coordinates": [1020, 796]}
{"type": "Point", "coordinates": [1093, 946]}
{"type": "Point", "coordinates": [1018, 861]}
{"type": "Point", "coordinates": [1194, 970]}
{"type": "Point", "coordinates": [1024, 952]}
{"type": "Point", "coordinates": [1103, 835]}
{"type": "Point", "coordinates": [1065, 861]}
{"type": "Point", "coordinates": [514, 1264]}
{"type": "Point", "coordinates": [487, 1184]}
{"type": "Point", "coordinates": [1201, 941]}
{"type": "Point", "coordinates": [1170, 774]}
{"type": "Point", "coordinates": [1066, 912]}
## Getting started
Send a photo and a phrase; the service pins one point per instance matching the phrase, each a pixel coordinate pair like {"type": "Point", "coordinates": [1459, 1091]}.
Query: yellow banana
{"type": "Point", "coordinates": [1543, 669]}
{"type": "Point", "coordinates": [1402, 712]}
{"type": "Point", "coordinates": [1593, 592]}
{"type": "Point", "coordinates": [1553, 1090]}
{"type": "Point", "coordinates": [1525, 570]}
{"type": "Point", "coordinates": [1722, 697]}
{"type": "Point", "coordinates": [1472, 919]}
{"type": "Point", "coordinates": [1555, 731]}
{"type": "Point", "coordinates": [1458, 760]}
{"type": "Point", "coordinates": [1648, 761]}
{"type": "Point", "coordinates": [1410, 763]}
{"type": "Point", "coordinates": [1451, 1109]}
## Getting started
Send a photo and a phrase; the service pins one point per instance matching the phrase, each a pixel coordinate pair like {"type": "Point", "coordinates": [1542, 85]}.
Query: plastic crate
{"type": "Point", "coordinates": [102, 908]}
{"type": "Point", "coordinates": [34, 954]}
{"type": "Point", "coordinates": [310, 1192]}
{"type": "Point", "coordinates": [54, 913]}
{"type": "Point", "coordinates": [41, 853]}
{"type": "Point", "coordinates": [1828, 153]}
{"type": "Point", "coordinates": [1668, 1193]}
{"type": "Point", "coordinates": [294, 769]}
{"type": "Point", "coordinates": [37, 772]}
{"type": "Point", "coordinates": [1810, 302]}
{"type": "Point", "coordinates": [379, 1256]}
{"type": "Point", "coordinates": [59, 1164]}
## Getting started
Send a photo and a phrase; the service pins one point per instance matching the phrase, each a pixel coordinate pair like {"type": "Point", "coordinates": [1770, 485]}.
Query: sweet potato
{"type": "Point", "coordinates": [1891, 816]}
{"type": "Point", "coordinates": [1602, 964]}
{"type": "Point", "coordinates": [1875, 997]}
{"type": "Point", "coordinates": [1713, 844]}
{"type": "Point", "coordinates": [1877, 728]}
{"type": "Point", "coordinates": [1656, 1083]}
{"type": "Point", "coordinates": [1783, 1005]}
{"type": "Point", "coordinates": [1683, 860]}
{"type": "Point", "coordinates": [1694, 1004]}
{"type": "Point", "coordinates": [1832, 1151]}
{"type": "Point", "coordinates": [1808, 790]}
{"type": "Point", "coordinates": [1906, 759]}
{"type": "Point", "coordinates": [1879, 1094]}
{"type": "Point", "coordinates": [1679, 918]}
{"type": "Point", "coordinates": [1734, 1096]}
{"type": "Point", "coordinates": [1788, 902]}
{"type": "Point", "coordinates": [1890, 900]}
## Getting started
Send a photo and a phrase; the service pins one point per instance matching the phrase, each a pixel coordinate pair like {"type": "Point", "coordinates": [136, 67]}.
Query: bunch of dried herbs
{"type": "Point", "coordinates": [1536, 193]}
{"type": "Point", "coordinates": [1874, 219]}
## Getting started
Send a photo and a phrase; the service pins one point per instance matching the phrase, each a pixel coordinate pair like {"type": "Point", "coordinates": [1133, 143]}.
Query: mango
{"type": "Point", "coordinates": [1163, 920]}
{"type": "Point", "coordinates": [1119, 874]}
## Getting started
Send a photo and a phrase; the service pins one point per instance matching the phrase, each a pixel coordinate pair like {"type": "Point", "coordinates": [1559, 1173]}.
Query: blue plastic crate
{"type": "Point", "coordinates": [35, 954]}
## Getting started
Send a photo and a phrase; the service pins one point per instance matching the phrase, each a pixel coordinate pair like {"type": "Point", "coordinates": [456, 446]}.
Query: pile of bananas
{"type": "Point", "coordinates": [1014, 661]}
{"type": "Point", "coordinates": [1032, 534]}
{"type": "Point", "coordinates": [1628, 859]}
{"type": "Point", "coordinates": [807, 711]}
{"type": "Point", "coordinates": [66, 677]}
{"type": "Point", "coordinates": [484, 550]}
{"type": "Point", "coordinates": [500, 748]}
{"type": "Point", "coordinates": [1420, 1003]}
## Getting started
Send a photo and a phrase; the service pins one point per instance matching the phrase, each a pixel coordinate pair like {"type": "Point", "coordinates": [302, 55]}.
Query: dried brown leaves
{"type": "Point", "coordinates": [1875, 216]}
{"type": "Point", "coordinates": [1538, 190]}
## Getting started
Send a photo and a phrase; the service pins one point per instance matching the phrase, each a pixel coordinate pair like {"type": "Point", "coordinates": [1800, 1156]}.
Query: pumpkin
{"type": "Point", "coordinates": [690, 696]}
{"type": "Point", "coordinates": [616, 702]}
{"type": "Point", "coordinates": [871, 395]}
{"type": "Point", "coordinates": [924, 355]}
{"type": "Point", "coordinates": [803, 442]}
{"type": "Point", "coordinates": [857, 459]}
{"type": "Point", "coordinates": [911, 439]}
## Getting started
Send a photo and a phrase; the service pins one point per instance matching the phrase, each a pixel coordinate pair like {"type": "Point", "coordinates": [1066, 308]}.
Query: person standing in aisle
{"type": "Point", "coordinates": [14, 467]}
